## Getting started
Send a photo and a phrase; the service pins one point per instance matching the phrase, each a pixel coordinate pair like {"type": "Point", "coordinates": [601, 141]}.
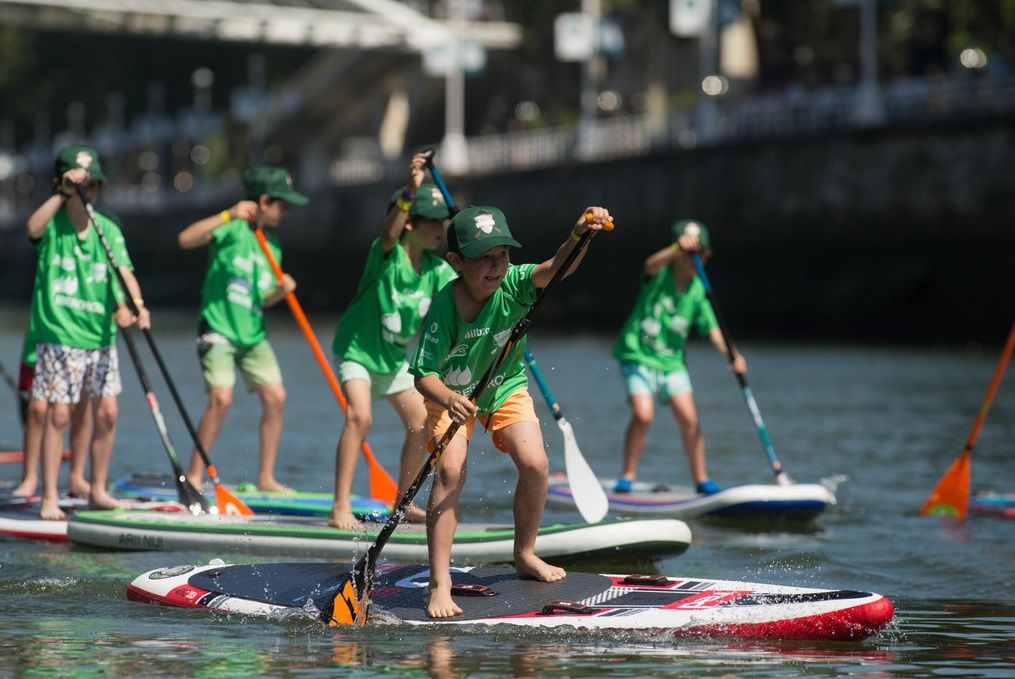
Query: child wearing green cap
{"type": "Point", "coordinates": [76, 307]}
{"type": "Point", "coordinates": [401, 277]}
{"type": "Point", "coordinates": [650, 349]}
{"type": "Point", "coordinates": [468, 324]}
{"type": "Point", "coordinates": [231, 333]}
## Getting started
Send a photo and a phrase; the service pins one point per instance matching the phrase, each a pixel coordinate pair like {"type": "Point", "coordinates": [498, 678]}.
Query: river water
{"type": "Point", "coordinates": [879, 423]}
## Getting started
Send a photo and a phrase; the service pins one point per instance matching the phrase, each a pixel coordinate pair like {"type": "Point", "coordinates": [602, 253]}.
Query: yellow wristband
{"type": "Point", "coordinates": [138, 302]}
{"type": "Point", "coordinates": [403, 204]}
{"type": "Point", "coordinates": [225, 216]}
{"type": "Point", "coordinates": [676, 248]}
{"type": "Point", "coordinates": [575, 237]}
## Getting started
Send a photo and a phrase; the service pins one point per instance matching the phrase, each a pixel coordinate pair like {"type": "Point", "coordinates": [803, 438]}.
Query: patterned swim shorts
{"type": "Point", "coordinates": [64, 374]}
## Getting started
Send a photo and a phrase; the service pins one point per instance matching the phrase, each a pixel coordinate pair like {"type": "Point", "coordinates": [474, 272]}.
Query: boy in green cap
{"type": "Point", "coordinates": [76, 307]}
{"type": "Point", "coordinates": [231, 333]}
{"type": "Point", "coordinates": [401, 277]}
{"type": "Point", "coordinates": [468, 324]}
{"type": "Point", "coordinates": [650, 349]}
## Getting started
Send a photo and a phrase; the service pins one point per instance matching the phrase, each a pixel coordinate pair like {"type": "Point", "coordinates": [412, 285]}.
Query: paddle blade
{"type": "Point", "coordinates": [588, 493]}
{"type": "Point", "coordinates": [190, 497]}
{"type": "Point", "coordinates": [382, 486]}
{"type": "Point", "coordinates": [348, 607]}
{"type": "Point", "coordinates": [230, 505]}
{"type": "Point", "coordinates": [950, 496]}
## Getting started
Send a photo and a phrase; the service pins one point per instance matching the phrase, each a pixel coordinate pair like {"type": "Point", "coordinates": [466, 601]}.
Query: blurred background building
{"type": "Point", "coordinates": [854, 158]}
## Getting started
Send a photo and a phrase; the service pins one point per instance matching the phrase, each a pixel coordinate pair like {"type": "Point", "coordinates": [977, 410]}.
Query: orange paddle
{"type": "Point", "coordinates": [951, 494]}
{"type": "Point", "coordinates": [382, 486]}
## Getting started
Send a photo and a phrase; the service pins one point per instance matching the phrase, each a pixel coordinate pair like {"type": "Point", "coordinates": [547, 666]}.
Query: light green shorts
{"type": "Point", "coordinates": [220, 359]}
{"type": "Point", "coordinates": [663, 384]}
{"type": "Point", "coordinates": [380, 385]}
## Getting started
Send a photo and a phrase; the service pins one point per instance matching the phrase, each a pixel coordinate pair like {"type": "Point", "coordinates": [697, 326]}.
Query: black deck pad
{"type": "Point", "coordinates": [401, 592]}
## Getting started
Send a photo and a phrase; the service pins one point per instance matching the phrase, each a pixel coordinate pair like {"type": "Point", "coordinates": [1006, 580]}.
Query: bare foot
{"type": "Point", "coordinates": [531, 566]}
{"type": "Point", "coordinates": [78, 487]}
{"type": "Point", "coordinates": [26, 488]}
{"type": "Point", "coordinates": [197, 482]}
{"type": "Point", "coordinates": [440, 604]}
{"type": "Point", "coordinates": [50, 511]}
{"type": "Point", "coordinates": [344, 520]}
{"type": "Point", "coordinates": [103, 500]}
{"type": "Point", "coordinates": [273, 486]}
{"type": "Point", "coordinates": [414, 514]}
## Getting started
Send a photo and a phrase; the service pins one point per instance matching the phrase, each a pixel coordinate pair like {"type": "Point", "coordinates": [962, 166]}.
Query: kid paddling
{"type": "Point", "coordinates": [650, 349]}
{"type": "Point", "coordinates": [468, 323]}
{"type": "Point", "coordinates": [232, 333]}
{"type": "Point", "coordinates": [401, 277]}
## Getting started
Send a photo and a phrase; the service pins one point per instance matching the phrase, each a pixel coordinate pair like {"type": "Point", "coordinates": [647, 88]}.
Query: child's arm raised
{"type": "Point", "coordinates": [591, 219]}
{"type": "Point", "coordinates": [394, 222]}
{"type": "Point", "coordinates": [199, 233]}
{"type": "Point", "coordinates": [40, 218]}
{"type": "Point", "coordinates": [459, 407]}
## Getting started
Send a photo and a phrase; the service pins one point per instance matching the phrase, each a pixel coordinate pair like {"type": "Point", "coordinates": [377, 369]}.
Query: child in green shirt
{"type": "Point", "coordinates": [469, 322]}
{"type": "Point", "coordinates": [401, 277]}
{"type": "Point", "coordinates": [231, 332]}
{"type": "Point", "coordinates": [76, 308]}
{"type": "Point", "coordinates": [650, 349]}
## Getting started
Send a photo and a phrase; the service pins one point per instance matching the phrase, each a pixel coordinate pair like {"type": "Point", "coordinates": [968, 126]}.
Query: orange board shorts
{"type": "Point", "coordinates": [517, 408]}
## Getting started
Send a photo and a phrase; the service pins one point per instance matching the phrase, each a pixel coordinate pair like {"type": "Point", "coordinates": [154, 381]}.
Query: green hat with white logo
{"type": "Point", "coordinates": [694, 227]}
{"type": "Point", "coordinates": [477, 229]}
{"type": "Point", "coordinates": [272, 181]}
{"type": "Point", "coordinates": [429, 202]}
{"type": "Point", "coordinates": [79, 155]}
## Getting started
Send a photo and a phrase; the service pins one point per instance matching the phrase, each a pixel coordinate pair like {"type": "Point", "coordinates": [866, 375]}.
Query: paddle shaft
{"type": "Point", "coordinates": [439, 181]}
{"type": "Point", "coordinates": [745, 389]}
{"type": "Point", "coordinates": [362, 572]}
{"type": "Point", "coordinates": [382, 486]}
{"type": "Point", "coordinates": [189, 495]}
{"type": "Point", "coordinates": [551, 402]}
{"type": "Point", "coordinates": [995, 382]}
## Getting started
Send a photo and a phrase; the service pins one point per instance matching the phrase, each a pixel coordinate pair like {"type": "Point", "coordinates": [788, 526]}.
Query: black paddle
{"type": "Point", "coordinates": [348, 604]}
{"type": "Point", "coordinates": [226, 500]}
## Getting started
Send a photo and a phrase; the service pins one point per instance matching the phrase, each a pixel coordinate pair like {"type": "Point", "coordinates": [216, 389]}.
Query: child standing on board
{"type": "Point", "coordinates": [76, 306]}
{"type": "Point", "coordinates": [401, 277]}
{"type": "Point", "coordinates": [231, 333]}
{"type": "Point", "coordinates": [469, 321]}
{"type": "Point", "coordinates": [650, 349]}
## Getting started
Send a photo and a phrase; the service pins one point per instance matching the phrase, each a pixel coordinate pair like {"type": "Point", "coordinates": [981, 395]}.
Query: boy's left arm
{"type": "Point", "coordinates": [123, 314]}
{"type": "Point", "coordinates": [592, 219]}
{"type": "Point", "coordinates": [739, 363]}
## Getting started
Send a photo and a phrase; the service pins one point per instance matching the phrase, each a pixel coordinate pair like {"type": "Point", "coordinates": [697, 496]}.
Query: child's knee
{"type": "Point", "coordinates": [106, 414]}
{"type": "Point", "coordinates": [220, 400]}
{"type": "Point", "coordinates": [274, 396]}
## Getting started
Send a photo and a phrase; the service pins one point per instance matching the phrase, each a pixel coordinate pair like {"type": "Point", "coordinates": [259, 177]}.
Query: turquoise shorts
{"type": "Point", "coordinates": [220, 358]}
{"type": "Point", "coordinates": [662, 384]}
{"type": "Point", "coordinates": [381, 385]}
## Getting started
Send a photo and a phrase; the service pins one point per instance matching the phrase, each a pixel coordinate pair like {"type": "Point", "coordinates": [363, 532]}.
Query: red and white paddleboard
{"type": "Point", "coordinates": [19, 516]}
{"type": "Point", "coordinates": [496, 596]}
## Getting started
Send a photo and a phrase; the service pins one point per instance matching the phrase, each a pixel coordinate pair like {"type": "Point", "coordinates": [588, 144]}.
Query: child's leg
{"type": "Point", "coordinates": [690, 432]}
{"type": "Point", "coordinates": [31, 447]}
{"type": "Point", "coordinates": [272, 417]}
{"type": "Point", "coordinates": [57, 420]}
{"type": "Point", "coordinates": [358, 418]}
{"type": "Point", "coordinates": [409, 406]}
{"type": "Point", "coordinates": [523, 441]}
{"type": "Point", "coordinates": [220, 399]}
{"type": "Point", "coordinates": [642, 412]}
{"type": "Point", "coordinates": [441, 522]}
{"type": "Point", "coordinates": [104, 434]}
{"type": "Point", "coordinates": [80, 443]}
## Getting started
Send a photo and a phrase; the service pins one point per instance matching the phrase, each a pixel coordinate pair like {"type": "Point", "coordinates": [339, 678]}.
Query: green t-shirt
{"type": "Point", "coordinates": [654, 333]}
{"type": "Point", "coordinates": [238, 279]}
{"type": "Point", "coordinates": [461, 353]}
{"type": "Point", "coordinates": [390, 304]}
{"type": "Point", "coordinates": [28, 347]}
{"type": "Point", "coordinates": [75, 292]}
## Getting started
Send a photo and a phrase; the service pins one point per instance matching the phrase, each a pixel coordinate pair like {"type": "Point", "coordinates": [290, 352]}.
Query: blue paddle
{"type": "Point", "coordinates": [589, 496]}
{"type": "Point", "coordinates": [781, 477]}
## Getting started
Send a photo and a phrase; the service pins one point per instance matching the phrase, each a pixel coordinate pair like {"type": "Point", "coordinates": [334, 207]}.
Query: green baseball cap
{"type": "Point", "coordinates": [272, 181]}
{"type": "Point", "coordinates": [477, 229]}
{"type": "Point", "coordinates": [429, 202]}
{"type": "Point", "coordinates": [691, 226]}
{"type": "Point", "coordinates": [76, 156]}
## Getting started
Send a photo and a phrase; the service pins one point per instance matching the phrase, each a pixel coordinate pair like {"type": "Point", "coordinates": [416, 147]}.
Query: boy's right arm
{"type": "Point", "coordinates": [199, 233]}
{"type": "Point", "coordinates": [394, 222]}
{"type": "Point", "coordinates": [44, 213]}
{"type": "Point", "coordinates": [459, 407]}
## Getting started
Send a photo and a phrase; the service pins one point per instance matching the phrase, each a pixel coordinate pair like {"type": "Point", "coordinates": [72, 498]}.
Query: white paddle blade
{"type": "Point", "coordinates": [588, 494]}
{"type": "Point", "coordinates": [783, 479]}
